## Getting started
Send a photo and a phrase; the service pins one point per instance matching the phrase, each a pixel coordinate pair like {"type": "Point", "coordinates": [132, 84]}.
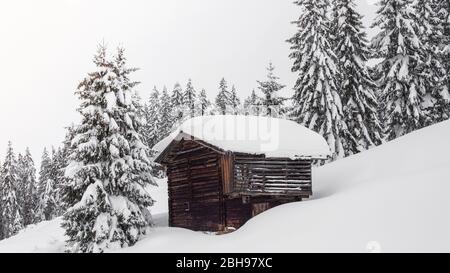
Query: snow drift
{"type": "Point", "coordinates": [393, 198]}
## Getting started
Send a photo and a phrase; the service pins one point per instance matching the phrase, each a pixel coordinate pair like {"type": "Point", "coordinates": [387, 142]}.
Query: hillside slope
{"type": "Point", "coordinates": [392, 198]}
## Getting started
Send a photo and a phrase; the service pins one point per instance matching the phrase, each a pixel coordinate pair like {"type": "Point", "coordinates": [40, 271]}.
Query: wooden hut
{"type": "Point", "coordinates": [223, 170]}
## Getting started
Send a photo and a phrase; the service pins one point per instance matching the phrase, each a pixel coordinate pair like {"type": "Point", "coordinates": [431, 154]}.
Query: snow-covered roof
{"type": "Point", "coordinates": [272, 137]}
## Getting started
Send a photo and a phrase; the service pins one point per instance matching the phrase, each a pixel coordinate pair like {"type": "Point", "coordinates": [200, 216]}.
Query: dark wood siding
{"type": "Point", "coordinates": [226, 163]}
{"type": "Point", "coordinates": [257, 175]}
{"type": "Point", "coordinates": [195, 191]}
{"type": "Point", "coordinates": [237, 212]}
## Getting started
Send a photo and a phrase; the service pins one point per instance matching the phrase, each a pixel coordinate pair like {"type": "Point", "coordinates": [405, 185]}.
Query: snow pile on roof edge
{"type": "Point", "coordinates": [272, 137]}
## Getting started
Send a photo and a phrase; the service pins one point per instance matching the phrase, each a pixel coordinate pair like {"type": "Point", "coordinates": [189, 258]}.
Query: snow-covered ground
{"type": "Point", "coordinates": [392, 198]}
{"type": "Point", "coordinates": [47, 236]}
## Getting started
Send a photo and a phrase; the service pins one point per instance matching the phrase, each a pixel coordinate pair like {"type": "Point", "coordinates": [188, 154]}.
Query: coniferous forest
{"type": "Point", "coordinates": [96, 179]}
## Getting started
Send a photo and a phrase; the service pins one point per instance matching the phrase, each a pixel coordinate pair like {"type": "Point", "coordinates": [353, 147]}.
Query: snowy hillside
{"type": "Point", "coordinates": [392, 198]}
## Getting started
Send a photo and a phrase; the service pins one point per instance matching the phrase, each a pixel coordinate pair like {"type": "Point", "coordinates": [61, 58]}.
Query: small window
{"type": "Point", "coordinates": [187, 206]}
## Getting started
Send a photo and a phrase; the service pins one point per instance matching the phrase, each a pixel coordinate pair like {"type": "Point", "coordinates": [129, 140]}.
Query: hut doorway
{"type": "Point", "coordinates": [257, 208]}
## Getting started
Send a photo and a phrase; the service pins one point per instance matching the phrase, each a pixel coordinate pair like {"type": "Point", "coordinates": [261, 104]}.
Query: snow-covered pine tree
{"type": "Point", "coordinates": [203, 103]}
{"type": "Point", "coordinates": [151, 129]}
{"type": "Point", "coordinates": [434, 18]}
{"type": "Point", "coordinates": [66, 199]}
{"type": "Point", "coordinates": [20, 185]}
{"type": "Point", "coordinates": [402, 84]}
{"type": "Point", "coordinates": [272, 104]}
{"type": "Point", "coordinates": [46, 188]}
{"type": "Point", "coordinates": [223, 98]}
{"type": "Point", "coordinates": [55, 174]}
{"type": "Point", "coordinates": [142, 113]}
{"type": "Point", "coordinates": [59, 163]}
{"type": "Point", "coordinates": [316, 100]}
{"type": "Point", "coordinates": [140, 107]}
{"type": "Point", "coordinates": [109, 165]}
{"type": "Point", "coordinates": [429, 33]}
{"type": "Point", "coordinates": [357, 89]}
{"type": "Point", "coordinates": [375, 74]}
{"type": "Point", "coordinates": [165, 115]}
{"type": "Point", "coordinates": [253, 105]}
{"type": "Point", "coordinates": [28, 196]}
{"type": "Point", "coordinates": [178, 109]}
{"type": "Point", "coordinates": [10, 209]}
{"type": "Point", "coordinates": [235, 102]}
{"type": "Point", "coordinates": [189, 98]}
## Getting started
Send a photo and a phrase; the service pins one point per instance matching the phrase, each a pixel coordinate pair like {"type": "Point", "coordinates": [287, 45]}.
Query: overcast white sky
{"type": "Point", "coordinates": [46, 48]}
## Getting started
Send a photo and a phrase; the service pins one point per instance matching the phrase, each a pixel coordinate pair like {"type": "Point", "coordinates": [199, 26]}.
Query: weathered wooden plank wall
{"type": "Point", "coordinates": [256, 175]}
{"type": "Point", "coordinates": [226, 164]}
{"type": "Point", "coordinates": [195, 195]}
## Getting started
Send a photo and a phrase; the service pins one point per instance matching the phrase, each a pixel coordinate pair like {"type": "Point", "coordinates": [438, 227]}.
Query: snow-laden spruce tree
{"type": "Point", "coordinates": [109, 166]}
{"type": "Point", "coordinates": [66, 199]}
{"type": "Point", "coordinates": [140, 106]}
{"type": "Point", "coordinates": [440, 38]}
{"type": "Point", "coordinates": [357, 89]}
{"type": "Point", "coordinates": [46, 189]}
{"type": "Point", "coordinates": [29, 200]}
{"type": "Point", "coordinates": [189, 98]}
{"type": "Point", "coordinates": [316, 100]}
{"type": "Point", "coordinates": [59, 163]}
{"type": "Point", "coordinates": [272, 103]}
{"type": "Point", "coordinates": [253, 105]}
{"type": "Point", "coordinates": [177, 106]}
{"type": "Point", "coordinates": [235, 102]}
{"type": "Point", "coordinates": [152, 109]}
{"type": "Point", "coordinates": [10, 214]}
{"type": "Point", "coordinates": [203, 104]}
{"type": "Point", "coordinates": [55, 175]}
{"type": "Point", "coordinates": [223, 98]}
{"type": "Point", "coordinates": [402, 53]}
{"type": "Point", "coordinates": [20, 185]}
{"type": "Point", "coordinates": [436, 103]}
{"type": "Point", "coordinates": [165, 114]}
